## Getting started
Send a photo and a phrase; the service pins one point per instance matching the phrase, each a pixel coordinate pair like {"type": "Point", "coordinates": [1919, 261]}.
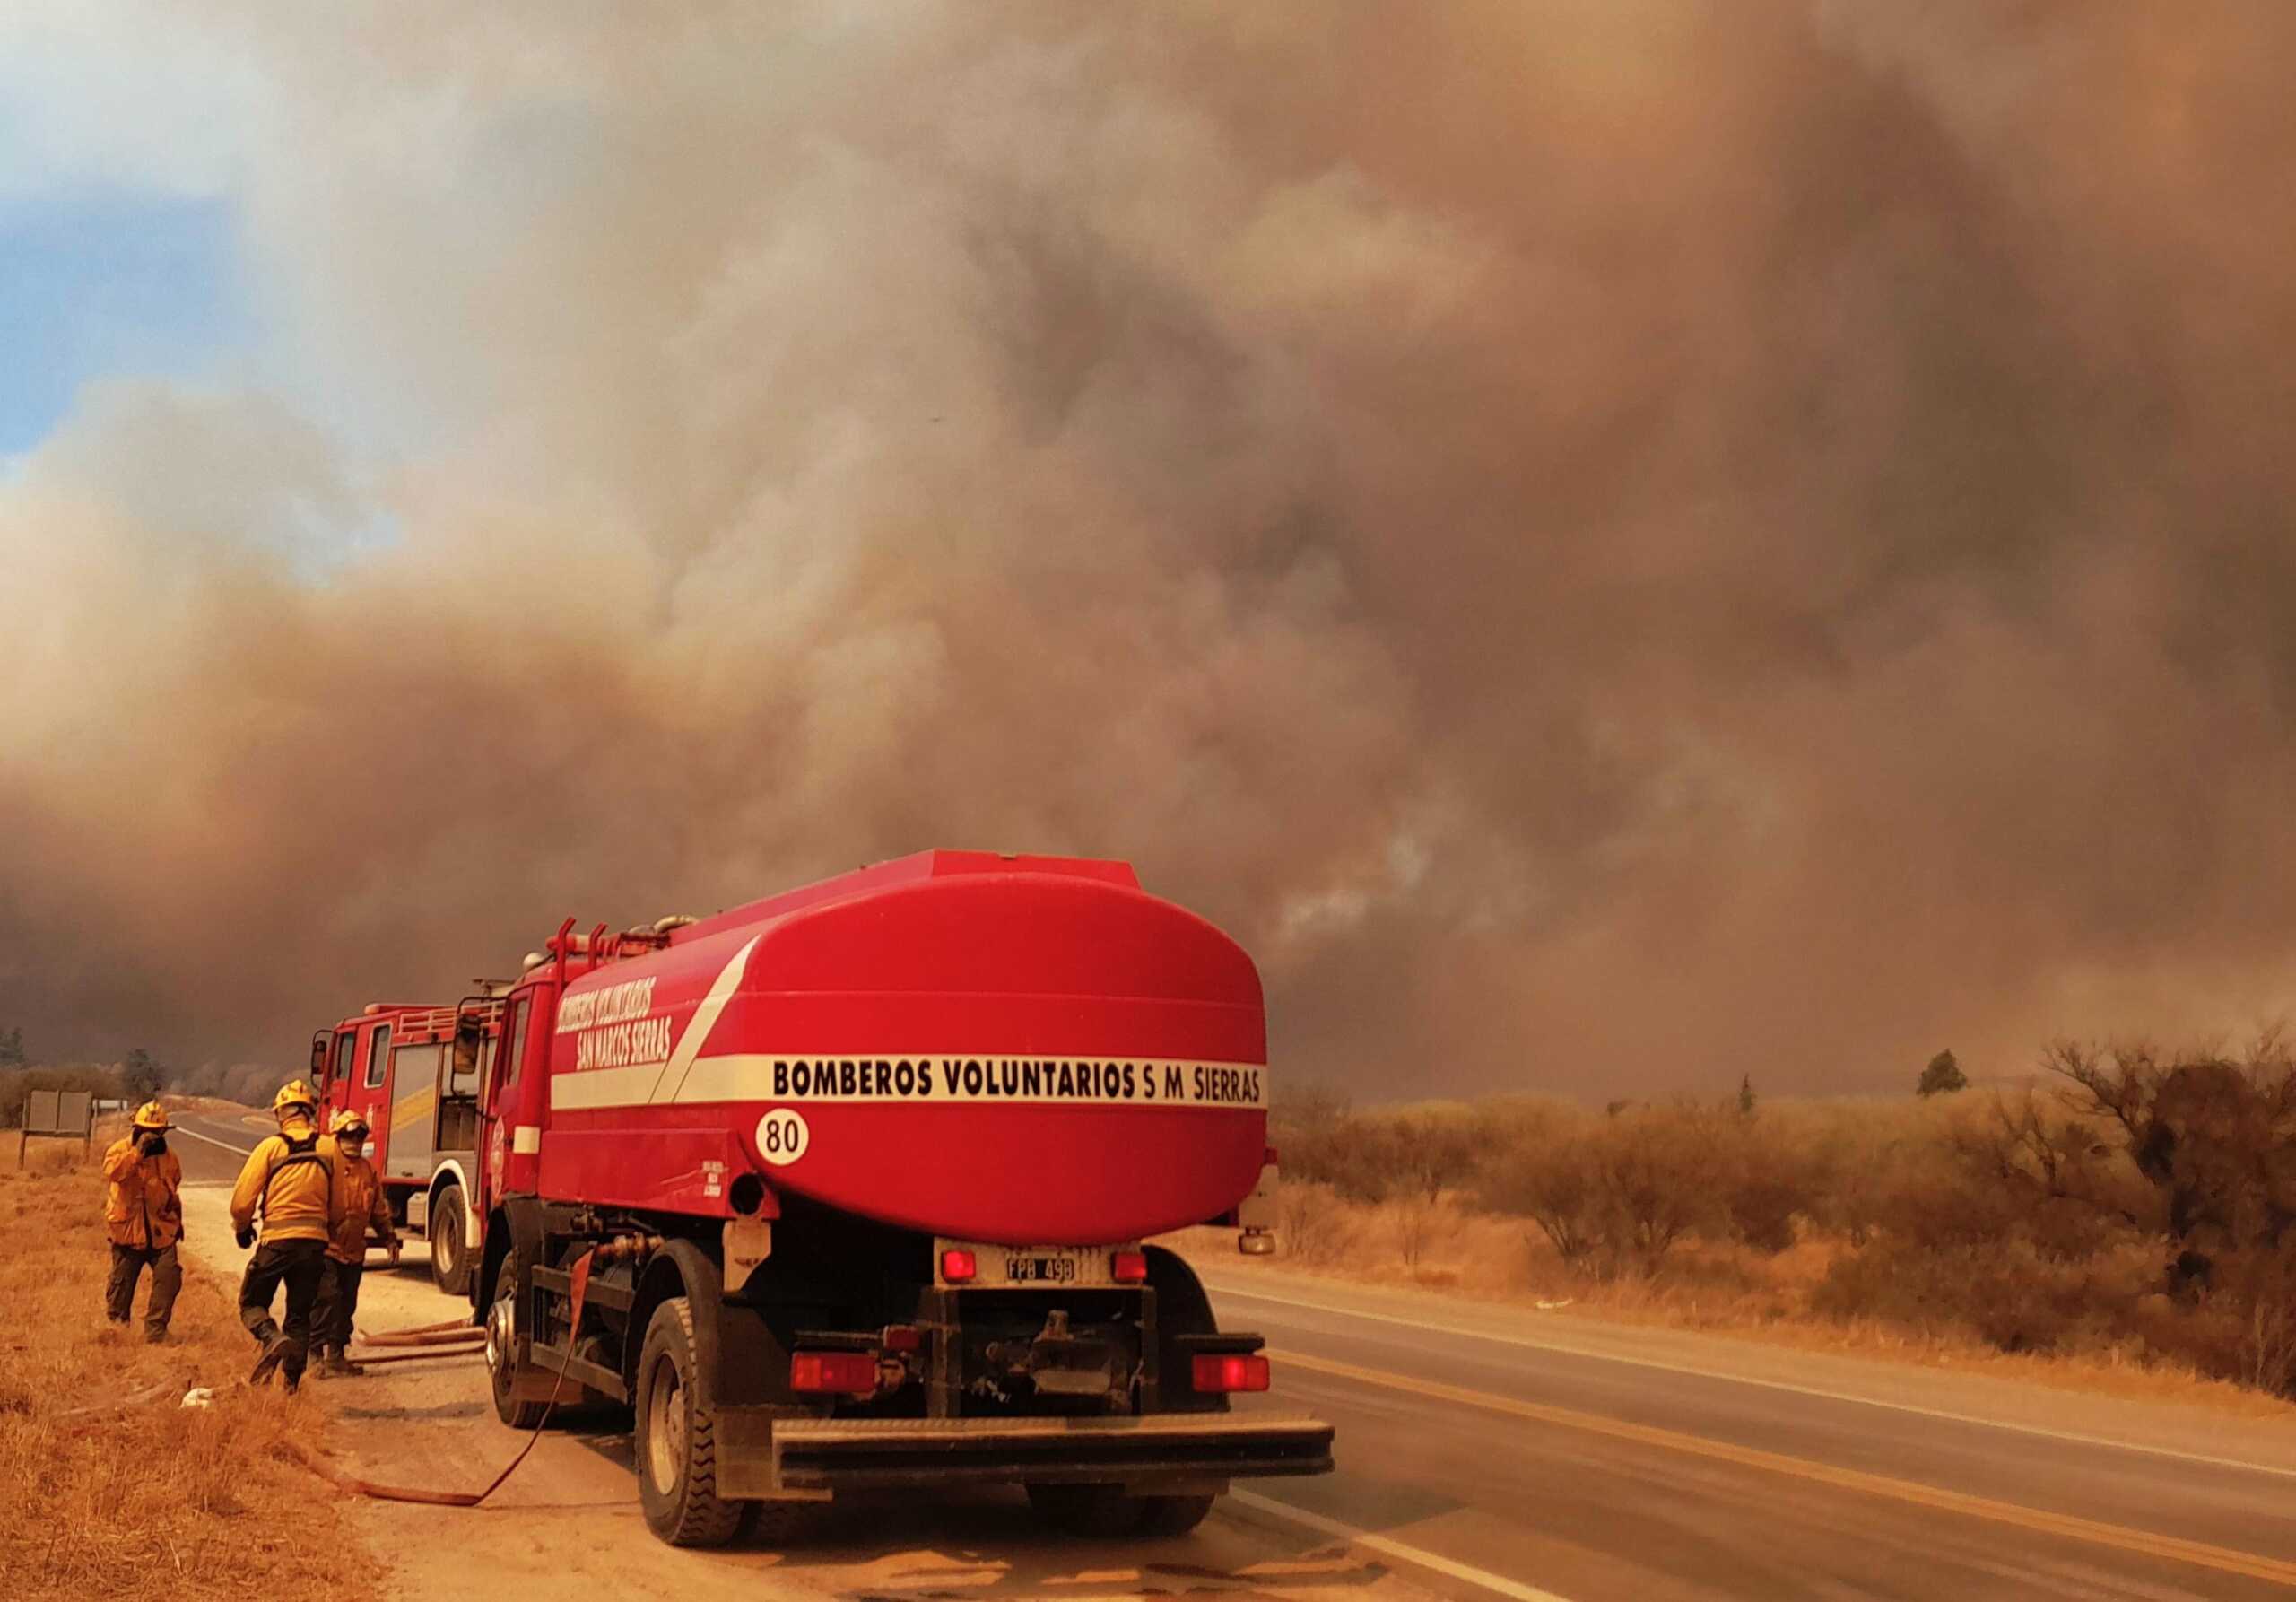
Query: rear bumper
{"type": "Point", "coordinates": [1160, 1450]}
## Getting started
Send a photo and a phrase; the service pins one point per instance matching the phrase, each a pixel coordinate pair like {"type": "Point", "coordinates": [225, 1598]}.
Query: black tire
{"type": "Point", "coordinates": [1173, 1515]}
{"type": "Point", "coordinates": [1096, 1512]}
{"type": "Point", "coordinates": [449, 1253]}
{"type": "Point", "coordinates": [778, 1523]}
{"type": "Point", "coordinates": [502, 1350]}
{"type": "Point", "coordinates": [677, 1437]}
{"type": "Point", "coordinates": [1182, 1308]}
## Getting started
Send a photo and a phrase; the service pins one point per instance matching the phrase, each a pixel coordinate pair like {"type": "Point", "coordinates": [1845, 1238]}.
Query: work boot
{"type": "Point", "coordinates": [156, 1337]}
{"type": "Point", "coordinates": [334, 1366]}
{"type": "Point", "coordinates": [267, 1364]}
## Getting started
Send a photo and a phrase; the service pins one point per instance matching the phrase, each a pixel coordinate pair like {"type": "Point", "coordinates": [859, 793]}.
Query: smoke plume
{"type": "Point", "coordinates": [1614, 545]}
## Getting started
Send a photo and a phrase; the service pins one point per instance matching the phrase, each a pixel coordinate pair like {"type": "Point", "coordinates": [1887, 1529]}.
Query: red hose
{"type": "Point", "coordinates": [580, 1274]}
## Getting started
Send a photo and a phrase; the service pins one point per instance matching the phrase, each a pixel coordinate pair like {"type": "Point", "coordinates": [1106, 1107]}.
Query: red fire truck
{"type": "Point", "coordinates": [852, 1189]}
{"type": "Point", "coordinates": [413, 1071]}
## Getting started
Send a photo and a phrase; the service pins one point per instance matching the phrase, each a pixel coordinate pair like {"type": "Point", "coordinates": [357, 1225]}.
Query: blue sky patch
{"type": "Point", "coordinates": [98, 285]}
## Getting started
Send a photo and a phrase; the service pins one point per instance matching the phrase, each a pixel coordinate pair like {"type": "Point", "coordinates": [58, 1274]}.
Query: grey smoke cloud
{"type": "Point", "coordinates": [1613, 549]}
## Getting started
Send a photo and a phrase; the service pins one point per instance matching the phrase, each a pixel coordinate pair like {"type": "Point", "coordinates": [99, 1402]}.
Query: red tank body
{"type": "Point", "coordinates": [1004, 1049]}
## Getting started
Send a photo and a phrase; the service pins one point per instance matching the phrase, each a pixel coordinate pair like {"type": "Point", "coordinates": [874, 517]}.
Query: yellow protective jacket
{"type": "Point", "coordinates": [143, 1201]}
{"type": "Point", "coordinates": [359, 1206]}
{"type": "Point", "coordinates": [291, 1176]}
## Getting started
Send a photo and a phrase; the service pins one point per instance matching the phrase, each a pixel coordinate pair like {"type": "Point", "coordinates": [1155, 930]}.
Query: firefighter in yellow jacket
{"type": "Point", "coordinates": [359, 1206]}
{"type": "Point", "coordinates": [144, 1215]}
{"type": "Point", "coordinates": [290, 1179]}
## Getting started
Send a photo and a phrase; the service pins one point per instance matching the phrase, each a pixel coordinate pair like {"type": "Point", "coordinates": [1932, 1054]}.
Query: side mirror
{"type": "Point", "coordinates": [321, 1044]}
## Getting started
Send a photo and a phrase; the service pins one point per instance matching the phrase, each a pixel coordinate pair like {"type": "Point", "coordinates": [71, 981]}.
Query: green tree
{"type": "Point", "coordinates": [1943, 1075]}
{"type": "Point", "coordinates": [1745, 1095]}
{"type": "Point", "coordinates": [140, 1079]}
{"type": "Point", "coordinates": [12, 1047]}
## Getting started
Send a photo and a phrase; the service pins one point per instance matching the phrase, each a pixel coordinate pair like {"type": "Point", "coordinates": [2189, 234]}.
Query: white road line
{"type": "Point", "coordinates": [242, 1151]}
{"type": "Point", "coordinates": [1413, 1555]}
{"type": "Point", "coordinates": [2041, 1431]}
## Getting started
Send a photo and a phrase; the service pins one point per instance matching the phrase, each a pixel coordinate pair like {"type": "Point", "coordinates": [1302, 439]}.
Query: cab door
{"type": "Point", "coordinates": [322, 1069]}
{"type": "Point", "coordinates": [414, 1112]}
{"type": "Point", "coordinates": [372, 1097]}
{"type": "Point", "coordinates": [505, 1113]}
{"type": "Point", "coordinates": [341, 1088]}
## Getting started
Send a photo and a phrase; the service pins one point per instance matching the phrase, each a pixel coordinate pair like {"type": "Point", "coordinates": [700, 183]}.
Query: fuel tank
{"type": "Point", "coordinates": [1013, 1050]}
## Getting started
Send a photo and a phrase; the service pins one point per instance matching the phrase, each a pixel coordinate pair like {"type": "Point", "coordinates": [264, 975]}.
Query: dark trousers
{"type": "Point", "coordinates": [338, 1305]}
{"type": "Point", "coordinates": [127, 1266]}
{"type": "Point", "coordinates": [297, 1265]}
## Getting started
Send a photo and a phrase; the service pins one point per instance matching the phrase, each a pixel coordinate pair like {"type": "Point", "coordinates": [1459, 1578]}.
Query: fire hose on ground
{"type": "Point", "coordinates": [445, 1340]}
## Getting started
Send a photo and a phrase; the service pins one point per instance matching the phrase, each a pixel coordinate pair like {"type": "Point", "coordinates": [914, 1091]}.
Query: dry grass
{"type": "Point", "coordinates": [1718, 1287]}
{"type": "Point", "coordinates": [110, 1495]}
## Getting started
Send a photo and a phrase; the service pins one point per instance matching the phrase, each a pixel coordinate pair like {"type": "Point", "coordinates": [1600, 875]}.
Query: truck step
{"type": "Point", "coordinates": [856, 1454]}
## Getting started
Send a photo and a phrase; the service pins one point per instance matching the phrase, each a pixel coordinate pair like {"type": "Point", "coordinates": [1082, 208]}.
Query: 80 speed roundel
{"type": "Point", "coordinates": [782, 1136]}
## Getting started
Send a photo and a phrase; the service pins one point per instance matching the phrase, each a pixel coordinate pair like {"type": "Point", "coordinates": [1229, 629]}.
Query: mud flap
{"type": "Point", "coordinates": [745, 1468]}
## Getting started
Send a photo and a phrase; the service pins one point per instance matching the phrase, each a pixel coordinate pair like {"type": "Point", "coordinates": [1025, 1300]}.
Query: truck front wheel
{"type": "Point", "coordinates": [502, 1349]}
{"type": "Point", "coordinates": [449, 1262]}
{"type": "Point", "coordinates": [678, 1444]}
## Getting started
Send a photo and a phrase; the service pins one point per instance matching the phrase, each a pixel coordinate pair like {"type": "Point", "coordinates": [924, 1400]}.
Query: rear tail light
{"type": "Point", "coordinates": [846, 1373]}
{"type": "Point", "coordinates": [902, 1337]}
{"type": "Point", "coordinates": [958, 1266]}
{"type": "Point", "coordinates": [1128, 1267]}
{"type": "Point", "coordinates": [1231, 1370]}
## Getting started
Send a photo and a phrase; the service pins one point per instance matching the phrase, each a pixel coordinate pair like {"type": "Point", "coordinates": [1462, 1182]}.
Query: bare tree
{"type": "Point", "coordinates": [1657, 1170]}
{"type": "Point", "coordinates": [2214, 1139]}
{"type": "Point", "coordinates": [1560, 1194]}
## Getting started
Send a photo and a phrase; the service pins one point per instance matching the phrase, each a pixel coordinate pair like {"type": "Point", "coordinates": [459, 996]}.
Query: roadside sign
{"type": "Point", "coordinates": [60, 1115]}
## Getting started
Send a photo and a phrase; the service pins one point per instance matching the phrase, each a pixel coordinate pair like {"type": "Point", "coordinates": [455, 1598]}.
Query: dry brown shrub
{"type": "Point", "coordinates": [2243, 1327]}
{"type": "Point", "coordinates": [1613, 1195]}
{"type": "Point", "coordinates": [1420, 1225]}
{"type": "Point", "coordinates": [1312, 1223]}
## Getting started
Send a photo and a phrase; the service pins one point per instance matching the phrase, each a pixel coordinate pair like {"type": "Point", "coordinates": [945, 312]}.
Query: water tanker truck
{"type": "Point", "coordinates": [854, 1188]}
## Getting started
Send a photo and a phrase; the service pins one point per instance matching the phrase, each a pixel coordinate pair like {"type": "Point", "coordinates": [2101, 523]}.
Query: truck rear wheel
{"type": "Point", "coordinates": [1111, 1513]}
{"type": "Point", "coordinates": [1174, 1515]}
{"type": "Point", "coordinates": [677, 1442]}
{"type": "Point", "coordinates": [449, 1259]}
{"type": "Point", "coordinates": [1102, 1512]}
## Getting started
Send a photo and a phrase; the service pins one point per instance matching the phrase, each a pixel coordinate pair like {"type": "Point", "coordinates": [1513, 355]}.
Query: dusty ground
{"type": "Point", "coordinates": [569, 1519]}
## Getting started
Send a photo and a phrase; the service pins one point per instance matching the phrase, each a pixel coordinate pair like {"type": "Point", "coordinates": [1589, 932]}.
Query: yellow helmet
{"type": "Point", "coordinates": [343, 1122]}
{"type": "Point", "coordinates": [295, 1093]}
{"type": "Point", "coordinates": [152, 1116]}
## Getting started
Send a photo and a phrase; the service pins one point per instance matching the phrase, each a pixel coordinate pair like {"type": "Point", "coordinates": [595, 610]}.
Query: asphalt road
{"type": "Point", "coordinates": [1488, 1452]}
{"type": "Point", "coordinates": [212, 1146]}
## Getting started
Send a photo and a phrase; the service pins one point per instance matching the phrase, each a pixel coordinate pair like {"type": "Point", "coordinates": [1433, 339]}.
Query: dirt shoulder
{"type": "Point", "coordinates": [114, 1487]}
